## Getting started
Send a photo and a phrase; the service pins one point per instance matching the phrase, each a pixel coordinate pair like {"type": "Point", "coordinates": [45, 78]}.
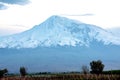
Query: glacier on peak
{"type": "Point", "coordinates": [61, 31]}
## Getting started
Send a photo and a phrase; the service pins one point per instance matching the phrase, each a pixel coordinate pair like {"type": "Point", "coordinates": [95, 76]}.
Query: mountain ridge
{"type": "Point", "coordinates": [60, 31]}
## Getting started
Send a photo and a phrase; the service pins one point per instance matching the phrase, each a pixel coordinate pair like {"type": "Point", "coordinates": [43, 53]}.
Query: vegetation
{"type": "Point", "coordinates": [96, 67]}
{"type": "Point", "coordinates": [3, 72]}
{"type": "Point", "coordinates": [111, 72]}
{"type": "Point", "coordinates": [85, 70]}
{"type": "Point", "coordinates": [23, 71]}
{"type": "Point", "coordinates": [66, 77]}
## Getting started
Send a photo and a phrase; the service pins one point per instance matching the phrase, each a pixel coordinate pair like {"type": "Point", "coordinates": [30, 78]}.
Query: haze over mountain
{"type": "Point", "coordinates": [59, 44]}
{"type": "Point", "coordinates": [115, 31]}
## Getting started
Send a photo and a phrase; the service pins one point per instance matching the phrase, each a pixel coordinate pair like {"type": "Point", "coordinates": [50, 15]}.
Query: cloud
{"type": "Point", "coordinates": [12, 2]}
{"type": "Point", "coordinates": [87, 14]}
{"type": "Point", "coordinates": [19, 2]}
{"type": "Point", "coordinates": [2, 6]}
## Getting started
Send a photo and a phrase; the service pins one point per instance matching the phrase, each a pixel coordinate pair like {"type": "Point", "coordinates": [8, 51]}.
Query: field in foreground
{"type": "Point", "coordinates": [65, 77]}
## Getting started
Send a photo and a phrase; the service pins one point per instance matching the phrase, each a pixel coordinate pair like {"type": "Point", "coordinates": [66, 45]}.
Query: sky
{"type": "Point", "coordinates": [20, 15]}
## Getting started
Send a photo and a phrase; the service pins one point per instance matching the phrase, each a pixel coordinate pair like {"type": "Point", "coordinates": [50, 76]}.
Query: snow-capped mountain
{"type": "Point", "coordinates": [59, 44]}
{"type": "Point", "coordinates": [59, 31]}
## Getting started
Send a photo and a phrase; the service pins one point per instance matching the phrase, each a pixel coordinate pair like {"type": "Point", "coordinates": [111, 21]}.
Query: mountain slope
{"type": "Point", "coordinates": [59, 31]}
{"type": "Point", "coordinates": [59, 44]}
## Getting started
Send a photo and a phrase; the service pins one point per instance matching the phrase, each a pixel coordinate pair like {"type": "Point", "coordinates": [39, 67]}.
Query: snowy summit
{"type": "Point", "coordinates": [59, 31]}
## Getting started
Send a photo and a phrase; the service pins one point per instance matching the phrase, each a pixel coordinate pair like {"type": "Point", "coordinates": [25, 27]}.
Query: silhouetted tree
{"type": "Point", "coordinates": [3, 72]}
{"type": "Point", "coordinates": [23, 71]}
{"type": "Point", "coordinates": [96, 67]}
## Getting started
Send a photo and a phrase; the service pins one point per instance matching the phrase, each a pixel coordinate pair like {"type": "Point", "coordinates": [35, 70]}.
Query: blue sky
{"type": "Point", "coordinates": [19, 2]}
{"type": "Point", "coordinates": [20, 15]}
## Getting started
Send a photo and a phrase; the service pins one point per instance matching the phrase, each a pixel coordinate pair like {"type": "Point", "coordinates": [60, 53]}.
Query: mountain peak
{"type": "Point", "coordinates": [55, 17]}
{"type": "Point", "coordinates": [57, 30]}
{"type": "Point", "coordinates": [60, 19]}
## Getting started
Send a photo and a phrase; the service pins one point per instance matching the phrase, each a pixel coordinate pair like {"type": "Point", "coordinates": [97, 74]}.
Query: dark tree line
{"type": "Point", "coordinates": [5, 71]}
{"type": "Point", "coordinates": [96, 68]}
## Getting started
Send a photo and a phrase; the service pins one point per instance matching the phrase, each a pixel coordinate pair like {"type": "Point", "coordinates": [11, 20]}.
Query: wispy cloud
{"type": "Point", "coordinates": [2, 6]}
{"type": "Point", "coordinates": [19, 2]}
{"type": "Point", "coordinates": [87, 14]}
{"type": "Point", "coordinates": [12, 2]}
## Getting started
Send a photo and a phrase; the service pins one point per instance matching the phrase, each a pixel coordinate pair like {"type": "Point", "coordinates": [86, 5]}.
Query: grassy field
{"type": "Point", "coordinates": [65, 77]}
